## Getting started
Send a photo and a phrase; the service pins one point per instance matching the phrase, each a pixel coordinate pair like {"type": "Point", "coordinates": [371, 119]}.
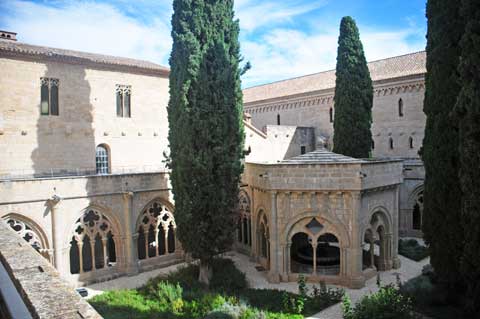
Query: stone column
{"type": "Point", "coordinates": [275, 252]}
{"type": "Point", "coordinates": [131, 258]}
{"type": "Point", "coordinates": [394, 244]}
{"type": "Point", "coordinates": [354, 253]}
{"type": "Point", "coordinates": [57, 231]}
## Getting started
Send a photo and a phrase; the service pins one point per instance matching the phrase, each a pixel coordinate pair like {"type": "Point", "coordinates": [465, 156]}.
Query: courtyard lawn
{"type": "Point", "coordinates": [180, 296]}
{"type": "Point", "coordinates": [411, 249]}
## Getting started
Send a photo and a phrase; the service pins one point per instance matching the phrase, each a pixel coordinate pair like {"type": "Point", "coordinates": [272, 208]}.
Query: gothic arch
{"type": "Point", "coordinates": [93, 241]}
{"type": "Point", "coordinates": [30, 231]}
{"type": "Point", "coordinates": [298, 223]}
{"type": "Point", "coordinates": [155, 229]}
{"type": "Point", "coordinates": [412, 198]}
{"type": "Point", "coordinates": [244, 222]}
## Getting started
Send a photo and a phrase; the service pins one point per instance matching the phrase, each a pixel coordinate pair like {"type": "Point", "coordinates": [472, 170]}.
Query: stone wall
{"type": "Point", "coordinates": [43, 292]}
{"type": "Point", "coordinates": [122, 198]}
{"type": "Point", "coordinates": [31, 143]}
{"type": "Point", "coordinates": [313, 110]}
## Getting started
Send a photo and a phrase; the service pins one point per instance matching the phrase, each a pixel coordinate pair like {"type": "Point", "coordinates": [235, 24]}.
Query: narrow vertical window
{"type": "Point", "coordinates": [400, 108]}
{"type": "Point", "coordinates": [102, 160]}
{"type": "Point", "coordinates": [123, 98]}
{"type": "Point", "coordinates": [303, 150]}
{"type": "Point", "coordinates": [49, 96]}
{"type": "Point", "coordinates": [410, 142]}
{"type": "Point", "coordinates": [119, 103]}
{"type": "Point", "coordinates": [373, 144]}
{"type": "Point", "coordinates": [390, 142]}
{"type": "Point", "coordinates": [44, 108]}
{"type": "Point", "coordinates": [54, 97]}
{"type": "Point", "coordinates": [331, 115]}
{"type": "Point", "coordinates": [278, 119]}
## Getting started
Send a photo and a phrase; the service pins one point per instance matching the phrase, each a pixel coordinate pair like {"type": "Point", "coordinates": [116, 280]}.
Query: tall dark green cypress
{"type": "Point", "coordinates": [468, 112]}
{"type": "Point", "coordinates": [206, 128]}
{"type": "Point", "coordinates": [353, 95]}
{"type": "Point", "coordinates": [442, 217]}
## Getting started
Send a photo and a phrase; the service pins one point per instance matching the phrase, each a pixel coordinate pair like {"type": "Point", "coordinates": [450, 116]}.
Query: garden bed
{"type": "Point", "coordinates": [180, 296]}
{"type": "Point", "coordinates": [411, 249]}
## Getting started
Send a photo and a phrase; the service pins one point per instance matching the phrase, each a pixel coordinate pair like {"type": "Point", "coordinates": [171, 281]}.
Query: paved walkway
{"type": "Point", "coordinates": [257, 279]}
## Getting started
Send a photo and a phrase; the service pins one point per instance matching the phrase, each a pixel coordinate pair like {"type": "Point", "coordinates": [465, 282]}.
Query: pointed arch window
{"type": "Point", "coordinates": [93, 243]}
{"type": "Point", "coordinates": [244, 223]}
{"type": "Point", "coordinates": [156, 232]}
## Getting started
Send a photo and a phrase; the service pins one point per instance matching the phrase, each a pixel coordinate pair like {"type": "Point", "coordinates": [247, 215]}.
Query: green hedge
{"type": "Point", "coordinates": [411, 249]}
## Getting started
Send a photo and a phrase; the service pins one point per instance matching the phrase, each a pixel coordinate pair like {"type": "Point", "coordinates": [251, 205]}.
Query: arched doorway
{"type": "Point", "coordinates": [156, 231]}
{"type": "Point", "coordinates": [417, 212]}
{"type": "Point", "coordinates": [314, 250]}
{"type": "Point", "coordinates": [93, 243]}
{"type": "Point", "coordinates": [378, 236]}
{"type": "Point", "coordinates": [263, 241]}
{"type": "Point", "coordinates": [244, 222]}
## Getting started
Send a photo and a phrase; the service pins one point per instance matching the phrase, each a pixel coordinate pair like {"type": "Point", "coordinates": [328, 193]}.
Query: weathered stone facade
{"type": "Point", "coordinates": [89, 190]}
{"type": "Point", "coordinates": [398, 118]}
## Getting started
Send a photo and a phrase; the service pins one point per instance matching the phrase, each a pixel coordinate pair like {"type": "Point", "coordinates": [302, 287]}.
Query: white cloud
{"type": "Point", "coordinates": [275, 48]}
{"type": "Point", "coordinates": [285, 53]}
{"type": "Point", "coordinates": [91, 27]}
{"type": "Point", "coordinates": [254, 14]}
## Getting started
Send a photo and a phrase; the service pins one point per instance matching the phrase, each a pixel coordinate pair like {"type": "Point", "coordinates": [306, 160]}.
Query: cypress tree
{"type": "Point", "coordinates": [353, 95]}
{"type": "Point", "coordinates": [442, 226]}
{"type": "Point", "coordinates": [206, 128]}
{"type": "Point", "coordinates": [468, 112]}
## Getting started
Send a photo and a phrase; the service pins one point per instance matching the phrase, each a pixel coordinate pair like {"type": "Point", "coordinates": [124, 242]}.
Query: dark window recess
{"type": "Point", "coordinates": [410, 142]}
{"type": "Point", "coordinates": [400, 108]}
{"type": "Point", "coordinates": [331, 115]}
{"type": "Point", "coordinates": [390, 141]}
{"type": "Point", "coordinates": [303, 150]}
{"type": "Point", "coordinates": [49, 96]}
{"type": "Point", "coordinates": [278, 119]}
{"type": "Point", "coordinates": [123, 93]}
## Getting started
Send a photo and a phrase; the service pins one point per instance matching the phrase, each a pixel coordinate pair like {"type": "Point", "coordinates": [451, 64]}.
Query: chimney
{"type": "Point", "coordinates": [7, 35]}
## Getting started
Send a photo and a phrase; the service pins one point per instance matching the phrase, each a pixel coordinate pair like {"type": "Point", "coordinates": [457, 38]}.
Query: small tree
{"type": "Point", "coordinates": [353, 95]}
{"type": "Point", "coordinates": [206, 129]}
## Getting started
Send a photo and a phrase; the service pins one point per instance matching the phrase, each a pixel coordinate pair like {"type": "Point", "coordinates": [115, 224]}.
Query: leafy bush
{"type": "Point", "coordinates": [387, 303]}
{"type": "Point", "coordinates": [410, 248]}
{"type": "Point", "coordinates": [179, 295]}
{"type": "Point", "coordinates": [324, 297]}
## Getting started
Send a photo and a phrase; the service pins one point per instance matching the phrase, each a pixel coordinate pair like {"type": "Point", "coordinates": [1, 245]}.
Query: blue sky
{"type": "Point", "coordinates": [281, 38]}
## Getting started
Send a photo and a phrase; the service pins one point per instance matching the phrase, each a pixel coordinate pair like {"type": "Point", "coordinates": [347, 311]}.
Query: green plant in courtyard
{"type": "Point", "coordinates": [410, 248]}
{"type": "Point", "coordinates": [353, 95]}
{"type": "Point", "coordinates": [205, 115]}
{"type": "Point", "coordinates": [387, 303]}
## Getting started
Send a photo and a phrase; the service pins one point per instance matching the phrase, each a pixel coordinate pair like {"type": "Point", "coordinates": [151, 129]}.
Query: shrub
{"type": "Point", "coordinates": [292, 303]}
{"type": "Point", "coordinates": [410, 248]}
{"type": "Point", "coordinates": [227, 277]}
{"type": "Point", "coordinates": [168, 294]}
{"type": "Point", "coordinates": [324, 297]}
{"type": "Point", "coordinates": [387, 303]}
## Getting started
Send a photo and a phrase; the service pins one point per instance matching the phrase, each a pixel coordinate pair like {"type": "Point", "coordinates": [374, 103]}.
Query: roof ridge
{"type": "Point", "coordinates": [330, 70]}
{"type": "Point", "coordinates": [27, 48]}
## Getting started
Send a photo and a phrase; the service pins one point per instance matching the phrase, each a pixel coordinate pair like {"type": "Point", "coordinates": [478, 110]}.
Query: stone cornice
{"type": "Point", "coordinates": [327, 97]}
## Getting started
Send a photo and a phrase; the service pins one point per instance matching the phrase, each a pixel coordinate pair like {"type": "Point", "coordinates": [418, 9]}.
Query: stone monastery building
{"type": "Point", "coordinates": [83, 180]}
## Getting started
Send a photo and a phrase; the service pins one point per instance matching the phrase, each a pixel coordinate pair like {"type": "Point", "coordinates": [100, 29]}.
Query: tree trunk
{"type": "Point", "coordinates": [205, 273]}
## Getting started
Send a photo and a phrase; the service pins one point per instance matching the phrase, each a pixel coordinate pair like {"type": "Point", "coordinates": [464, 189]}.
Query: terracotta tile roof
{"type": "Point", "coordinates": [9, 48]}
{"type": "Point", "coordinates": [394, 67]}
